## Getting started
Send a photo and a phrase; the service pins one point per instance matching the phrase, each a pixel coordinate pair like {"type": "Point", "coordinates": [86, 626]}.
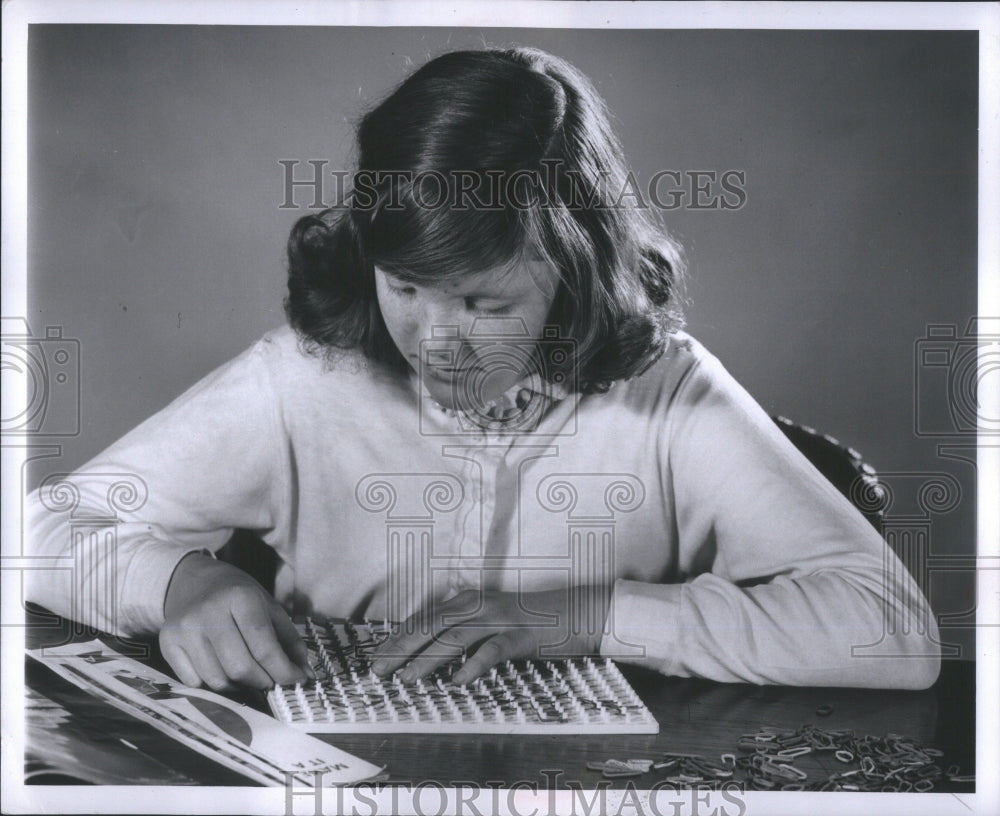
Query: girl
{"type": "Point", "coordinates": [484, 422]}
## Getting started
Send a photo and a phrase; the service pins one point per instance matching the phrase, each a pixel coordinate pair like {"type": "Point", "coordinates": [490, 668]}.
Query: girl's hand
{"type": "Point", "coordinates": [510, 625]}
{"type": "Point", "coordinates": [222, 628]}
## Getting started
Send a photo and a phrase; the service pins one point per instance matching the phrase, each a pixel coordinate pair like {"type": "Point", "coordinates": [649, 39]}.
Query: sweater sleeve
{"type": "Point", "coordinates": [781, 579]}
{"type": "Point", "coordinates": [182, 481]}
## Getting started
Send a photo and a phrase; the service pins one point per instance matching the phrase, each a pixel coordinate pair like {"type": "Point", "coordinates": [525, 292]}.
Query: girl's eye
{"type": "Point", "coordinates": [470, 304]}
{"type": "Point", "coordinates": [403, 291]}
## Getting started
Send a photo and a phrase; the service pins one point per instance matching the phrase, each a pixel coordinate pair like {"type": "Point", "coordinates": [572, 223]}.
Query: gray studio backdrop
{"type": "Point", "coordinates": [156, 233]}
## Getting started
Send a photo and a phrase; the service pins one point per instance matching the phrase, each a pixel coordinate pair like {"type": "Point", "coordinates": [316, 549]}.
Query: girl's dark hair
{"type": "Point", "coordinates": [528, 140]}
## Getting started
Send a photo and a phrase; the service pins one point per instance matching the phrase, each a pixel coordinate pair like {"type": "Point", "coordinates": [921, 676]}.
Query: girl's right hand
{"type": "Point", "coordinates": [223, 629]}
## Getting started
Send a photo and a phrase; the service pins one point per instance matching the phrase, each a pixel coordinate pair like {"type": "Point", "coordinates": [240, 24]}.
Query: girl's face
{"type": "Point", "coordinates": [469, 339]}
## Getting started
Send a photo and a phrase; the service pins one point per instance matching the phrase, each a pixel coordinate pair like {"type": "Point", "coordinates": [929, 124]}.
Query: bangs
{"type": "Point", "coordinates": [433, 231]}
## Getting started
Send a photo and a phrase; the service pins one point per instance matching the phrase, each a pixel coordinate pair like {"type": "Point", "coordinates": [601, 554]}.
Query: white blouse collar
{"type": "Point", "coordinates": [516, 410]}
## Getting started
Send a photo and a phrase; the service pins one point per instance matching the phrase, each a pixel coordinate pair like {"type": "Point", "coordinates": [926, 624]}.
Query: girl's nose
{"type": "Point", "coordinates": [444, 333]}
{"type": "Point", "coordinates": [439, 321]}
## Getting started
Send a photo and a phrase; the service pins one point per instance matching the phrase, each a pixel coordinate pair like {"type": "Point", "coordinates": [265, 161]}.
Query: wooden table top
{"type": "Point", "coordinates": [695, 716]}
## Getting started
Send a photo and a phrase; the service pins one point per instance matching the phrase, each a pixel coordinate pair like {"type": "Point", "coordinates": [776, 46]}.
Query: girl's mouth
{"type": "Point", "coordinates": [448, 374]}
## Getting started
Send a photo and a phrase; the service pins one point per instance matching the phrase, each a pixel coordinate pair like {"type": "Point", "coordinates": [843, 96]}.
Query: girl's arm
{"type": "Point", "coordinates": [180, 483]}
{"type": "Point", "coordinates": [798, 591]}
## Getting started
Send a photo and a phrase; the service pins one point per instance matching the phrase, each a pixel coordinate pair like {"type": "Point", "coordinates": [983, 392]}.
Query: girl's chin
{"type": "Point", "coordinates": [463, 393]}
{"type": "Point", "coordinates": [449, 393]}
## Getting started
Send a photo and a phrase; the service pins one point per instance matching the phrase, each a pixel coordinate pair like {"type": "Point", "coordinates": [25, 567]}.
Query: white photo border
{"type": "Point", "coordinates": [18, 15]}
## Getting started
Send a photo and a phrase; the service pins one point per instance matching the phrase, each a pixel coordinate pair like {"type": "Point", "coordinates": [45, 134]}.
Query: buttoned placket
{"type": "Point", "coordinates": [481, 468]}
{"type": "Point", "coordinates": [480, 453]}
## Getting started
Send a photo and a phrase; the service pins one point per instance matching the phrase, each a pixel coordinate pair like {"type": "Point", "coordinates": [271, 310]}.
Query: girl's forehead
{"type": "Point", "coordinates": [518, 277]}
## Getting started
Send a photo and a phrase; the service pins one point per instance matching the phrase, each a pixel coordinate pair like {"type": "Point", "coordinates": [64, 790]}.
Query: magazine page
{"type": "Point", "coordinates": [234, 735]}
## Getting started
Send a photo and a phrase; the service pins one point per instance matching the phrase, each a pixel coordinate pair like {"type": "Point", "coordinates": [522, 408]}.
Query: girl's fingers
{"type": "Point", "coordinates": [259, 658]}
{"type": "Point", "coordinates": [505, 646]}
{"type": "Point", "coordinates": [421, 629]}
{"type": "Point", "coordinates": [206, 663]}
{"type": "Point", "coordinates": [291, 641]}
{"type": "Point", "coordinates": [415, 633]}
{"type": "Point", "coordinates": [175, 655]}
{"type": "Point", "coordinates": [447, 647]}
{"type": "Point", "coordinates": [389, 656]}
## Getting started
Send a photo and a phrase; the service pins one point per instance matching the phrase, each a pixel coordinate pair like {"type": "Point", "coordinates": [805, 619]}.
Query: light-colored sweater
{"type": "Point", "coordinates": [730, 556]}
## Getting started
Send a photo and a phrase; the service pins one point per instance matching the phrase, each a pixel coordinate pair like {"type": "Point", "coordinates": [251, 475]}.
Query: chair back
{"type": "Point", "coordinates": [843, 466]}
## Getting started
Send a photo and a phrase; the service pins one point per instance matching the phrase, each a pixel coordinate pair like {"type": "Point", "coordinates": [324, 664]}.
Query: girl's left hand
{"type": "Point", "coordinates": [507, 625]}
